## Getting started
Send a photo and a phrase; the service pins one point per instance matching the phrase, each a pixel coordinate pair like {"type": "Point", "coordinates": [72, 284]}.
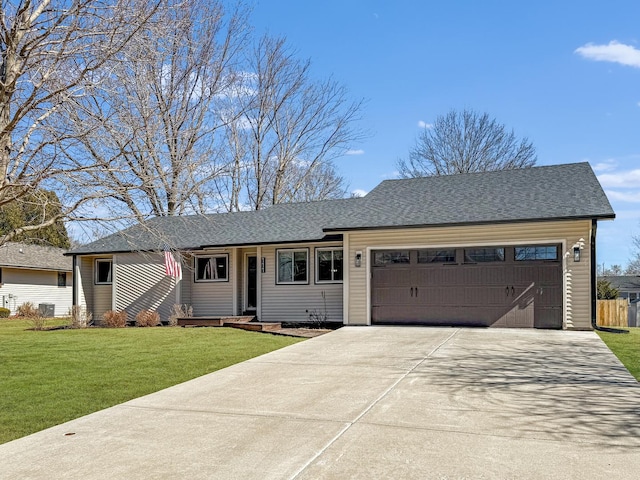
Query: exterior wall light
{"type": "Point", "coordinates": [576, 254]}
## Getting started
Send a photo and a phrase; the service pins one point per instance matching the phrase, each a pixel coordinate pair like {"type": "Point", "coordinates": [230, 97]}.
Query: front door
{"type": "Point", "coordinates": [252, 276]}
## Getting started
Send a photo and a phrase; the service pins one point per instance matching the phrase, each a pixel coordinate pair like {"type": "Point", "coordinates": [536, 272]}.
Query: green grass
{"type": "Point", "coordinates": [50, 377]}
{"type": "Point", "coordinates": [626, 347]}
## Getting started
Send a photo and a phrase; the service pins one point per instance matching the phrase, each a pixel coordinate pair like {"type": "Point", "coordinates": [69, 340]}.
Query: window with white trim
{"type": "Point", "coordinates": [292, 266]}
{"type": "Point", "coordinates": [328, 265]}
{"type": "Point", "coordinates": [104, 268]}
{"type": "Point", "coordinates": [212, 268]}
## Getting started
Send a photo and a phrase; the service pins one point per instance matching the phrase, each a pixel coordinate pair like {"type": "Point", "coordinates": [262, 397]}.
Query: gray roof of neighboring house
{"type": "Point", "coordinates": [34, 257]}
{"type": "Point", "coordinates": [623, 282]}
{"type": "Point", "coordinates": [569, 191]}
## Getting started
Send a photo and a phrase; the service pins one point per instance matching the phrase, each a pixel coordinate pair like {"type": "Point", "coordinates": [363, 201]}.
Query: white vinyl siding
{"type": "Point", "coordinates": [185, 284]}
{"type": "Point", "coordinates": [214, 298]}
{"type": "Point", "coordinates": [141, 284]}
{"type": "Point", "coordinates": [85, 282]}
{"type": "Point", "coordinates": [577, 288]}
{"type": "Point", "coordinates": [96, 298]}
{"type": "Point", "coordinates": [36, 286]}
{"type": "Point", "coordinates": [294, 302]}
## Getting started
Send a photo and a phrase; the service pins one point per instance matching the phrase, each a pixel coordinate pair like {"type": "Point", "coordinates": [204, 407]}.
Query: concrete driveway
{"type": "Point", "coordinates": [369, 402]}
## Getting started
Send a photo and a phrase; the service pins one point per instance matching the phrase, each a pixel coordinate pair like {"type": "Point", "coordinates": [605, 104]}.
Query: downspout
{"type": "Point", "coordinates": [594, 287]}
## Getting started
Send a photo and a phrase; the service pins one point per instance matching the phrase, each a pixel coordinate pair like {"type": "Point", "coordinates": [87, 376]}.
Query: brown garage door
{"type": "Point", "coordinates": [517, 286]}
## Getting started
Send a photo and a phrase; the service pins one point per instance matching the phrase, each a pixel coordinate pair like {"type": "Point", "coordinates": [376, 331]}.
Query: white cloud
{"type": "Point", "coordinates": [630, 197]}
{"type": "Point", "coordinates": [605, 166]}
{"type": "Point", "coordinates": [629, 179]}
{"type": "Point", "coordinates": [614, 51]}
{"type": "Point", "coordinates": [358, 192]}
{"type": "Point", "coordinates": [355, 152]}
{"type": "Point", "coordinates": [423, 124]}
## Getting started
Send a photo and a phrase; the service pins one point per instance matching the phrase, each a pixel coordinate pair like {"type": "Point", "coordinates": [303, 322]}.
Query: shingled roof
{"type": "Point", "coordinates": [623, 282]}
{"type": "Point", "coordinates": [569, 191]}
{"type": "Point", "coordinates": [284, 223]}
{"type": "Point", "coordinates": [34, 257]}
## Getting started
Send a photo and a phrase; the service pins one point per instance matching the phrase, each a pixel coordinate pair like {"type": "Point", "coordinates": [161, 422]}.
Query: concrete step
{"type": "Point", "coordinates": [200, 322]}
{"type": "Point", "coordinates": [213, 321]}
{"type": "Point", "coordinates": [256, 326]}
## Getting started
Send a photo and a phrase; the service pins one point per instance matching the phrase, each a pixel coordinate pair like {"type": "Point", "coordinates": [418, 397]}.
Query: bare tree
{"type": "Point", "coordinates": [156, 119]}
{"type": "Point", "coordinates": [50, 55]}
{"type": "Point", "coordinates": [289, 130]}
{"type": "Point", "coordinates": [633, 267]}
{"type": "Point", "coordinates": [463, 142]}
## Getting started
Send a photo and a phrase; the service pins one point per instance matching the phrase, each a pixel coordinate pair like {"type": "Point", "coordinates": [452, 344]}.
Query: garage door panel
{"type": "Point", "coordinates": [393, 276]}
{"type": "Point", "coordinates": [505, 293]}
{"type": "Point", "coordinates": [548, 317]}
{"type": "Point", "coordinates": [479, 295]}
{"type": "Point", "coordinates": [391, 296]}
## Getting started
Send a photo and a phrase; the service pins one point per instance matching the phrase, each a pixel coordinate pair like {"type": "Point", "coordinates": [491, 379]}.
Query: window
{"type": "Point", "coordinates": [541, 252]}
{"type": "Point", "coordinates": [292, 266]}
{"type": "Point", "coordinates": [436, 256]}
{"type": "Point", "coordinates": [385, 257]}
{"type": "Point", "coordinates": [103, 271]}
{"type": "Point", "coordinates": [484, 255]}
{"type": "Point", "coordinates": [212, 268]}
{"type": "Point", "coordinates": [62, 279]}
{"type": "Point", "coordinates": [328, 265]}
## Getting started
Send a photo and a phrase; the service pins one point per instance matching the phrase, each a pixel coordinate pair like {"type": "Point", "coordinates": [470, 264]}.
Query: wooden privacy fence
{"type": "Point", "coordinates": [613, 313]}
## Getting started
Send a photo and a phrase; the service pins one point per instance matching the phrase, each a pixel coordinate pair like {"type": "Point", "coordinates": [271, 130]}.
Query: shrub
{"type": "Point", "coordinates": [27, 310]}
{"type": "Point", "coordinates": [37, 322]}
{"type": "Point", "coordinates": [180, 311]}
{"type": "Point", "coordinates": [606, 291]}
{"type": "Point", "coordinates": [80, 318]}
{"type": "Point", "coordinates": [147, 318]}
{"type": "Point", "coordinates": [114, 319]}
{"type": "Point", "coordinates": [4, 312]}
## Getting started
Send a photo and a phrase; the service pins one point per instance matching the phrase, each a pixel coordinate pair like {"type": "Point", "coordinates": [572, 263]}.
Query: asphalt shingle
{"type": "Point", "coordinates": [569, 191]}
{"type": "Point", "coordinates": [22, 255]}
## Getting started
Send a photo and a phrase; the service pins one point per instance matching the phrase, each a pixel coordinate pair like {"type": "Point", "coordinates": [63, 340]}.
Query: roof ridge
{"type": "Point", "coordinates": [485, 172]}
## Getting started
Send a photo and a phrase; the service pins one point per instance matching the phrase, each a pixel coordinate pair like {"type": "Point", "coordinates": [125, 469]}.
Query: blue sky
{"type": "Point", "coordinates": [565, 74]}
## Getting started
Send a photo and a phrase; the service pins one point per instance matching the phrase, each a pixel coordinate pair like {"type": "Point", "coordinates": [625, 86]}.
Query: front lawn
{"type": "Point", "coordinates": [626, 346]}
{"type": "Point", "coordinates": [50, 377]}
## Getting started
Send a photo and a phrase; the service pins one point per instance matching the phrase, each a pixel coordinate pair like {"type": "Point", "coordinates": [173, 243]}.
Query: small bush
{"type": "Point", "coordinates": [114, 319]}
{"type": "Point", "coordinates": [37, 322]}
{"type": "Point", "coordinates": [27, 310]}
{"type": "Point", "coordinates": [606, 291]}
{"type": "Point", "coordinates": [147, 318]}
{"type": "Point", "coordinates": [180, 311]}
{"type": "Point", "coordinates": [4, 312]}
{"type": "Point", "coordinates": [79, 317]}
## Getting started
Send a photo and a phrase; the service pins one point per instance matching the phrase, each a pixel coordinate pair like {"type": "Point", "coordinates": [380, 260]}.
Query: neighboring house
{"type": "Point", "coordinates": [513, 248]}
{"type": "Point", "coordinates": [36, 274]}
{"type": "Point", "coordinates": [628, 286]}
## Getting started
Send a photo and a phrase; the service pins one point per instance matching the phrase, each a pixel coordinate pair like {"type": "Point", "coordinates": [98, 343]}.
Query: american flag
{"type": "Point", "coordinates": [171, 267]}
